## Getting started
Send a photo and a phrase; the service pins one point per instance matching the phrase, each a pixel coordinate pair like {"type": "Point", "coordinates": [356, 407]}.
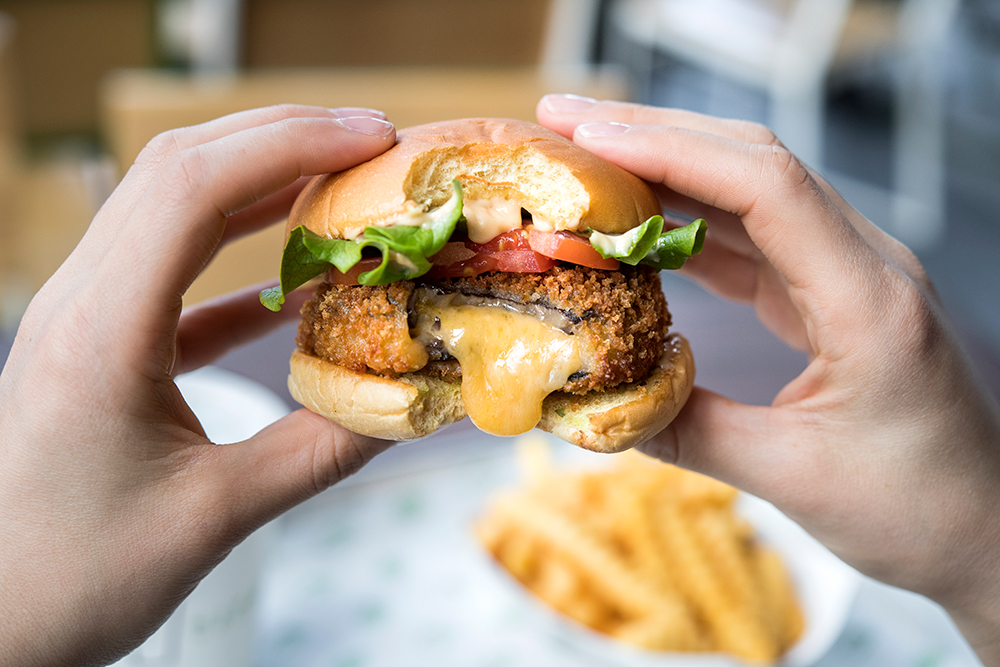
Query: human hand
{"type": "Point", "coordinates": [113, 503]}
{"type": "Point", "coordinates": [885, 448]}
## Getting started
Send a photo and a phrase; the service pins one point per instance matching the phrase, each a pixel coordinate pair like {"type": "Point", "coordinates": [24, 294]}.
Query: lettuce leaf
{"type": "Point", "coordinates": [649, 244]}
{"type": "Point", "coordinates": [404, 250]}
{"type": "Point", "coordinates": [299, 265]}
{"type": "Point", "coordinates": [674, 246]}
{"type": "Point", "coordinates": [632, 246]}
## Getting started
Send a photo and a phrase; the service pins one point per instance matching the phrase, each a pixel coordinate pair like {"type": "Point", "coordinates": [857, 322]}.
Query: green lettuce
{"type": "Point", "coordinates": [649, 244]}
{"type": "Point", "coordinates": [404, 248]}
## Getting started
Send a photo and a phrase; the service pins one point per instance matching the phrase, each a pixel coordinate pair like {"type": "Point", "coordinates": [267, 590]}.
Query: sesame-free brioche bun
{"type": "Point", "coordinates": [628, 415]}
{"type": "Point", "coordinates": [407, 408]}
{"type": "Point", "coordinates": [562, 187]}
{"type": "Point", "coordinates": [559, 183]}
{"type": "Point", "coordinates": [415, 406]}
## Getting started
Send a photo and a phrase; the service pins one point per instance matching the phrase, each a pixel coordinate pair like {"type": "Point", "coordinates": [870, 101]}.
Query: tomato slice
{"type": "Point", "coordinates": [523, 261]}
{"type": "Point", "coordinates": [335, 276]}
{"type": "Point", "coordinates": [451, 253]}
{"type": "Point", "coordinates": [569, 247]}
{"type": "Point", "coordinates": [516, 251]}
{"type": "Point", "coordinates": [513, 253]}
{"type": "Point", "coordinates": [515, 239]}
{"type": "Point", "coordinates": [467, 268]}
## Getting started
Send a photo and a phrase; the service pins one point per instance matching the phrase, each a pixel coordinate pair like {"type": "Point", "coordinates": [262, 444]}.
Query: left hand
{"type": "Point", "coordinates": [113, 503]}
{"type": "Point", "coordinates": [886, 447]}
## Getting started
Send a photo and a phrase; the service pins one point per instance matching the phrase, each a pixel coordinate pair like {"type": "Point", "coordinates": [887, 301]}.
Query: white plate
{"type": "Point", "coordinates": [826, 588]}
{"type": "Point", "coordinates": [386, 571]}
{"type": "Point", "coordinates": [230, 407]}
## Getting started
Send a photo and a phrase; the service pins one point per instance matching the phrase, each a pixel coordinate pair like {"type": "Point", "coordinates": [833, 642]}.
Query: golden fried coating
{"type": "Point", "coordinates": [621, 318]}
{"type": "Point", "coordinates": [361, 328]}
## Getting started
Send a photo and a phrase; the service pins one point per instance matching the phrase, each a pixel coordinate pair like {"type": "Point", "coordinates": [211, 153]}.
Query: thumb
{"type": "Point", "coordinates": [290, 461]}
{"type": "Point", "coordinates": [742, 445]}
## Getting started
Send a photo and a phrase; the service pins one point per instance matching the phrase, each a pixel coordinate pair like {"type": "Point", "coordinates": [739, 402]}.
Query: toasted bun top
{"type": "Point", "coordinates": [562, 185]}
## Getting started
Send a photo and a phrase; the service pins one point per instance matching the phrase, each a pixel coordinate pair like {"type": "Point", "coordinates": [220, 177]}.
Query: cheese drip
{"type": "Point", "coordinates": [510, 362]}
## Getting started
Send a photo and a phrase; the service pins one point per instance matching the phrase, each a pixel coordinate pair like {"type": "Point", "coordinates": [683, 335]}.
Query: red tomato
{"type": "Point", "coordinates": [523, 261]}
{"type": "Point", "coordinates": [467, 268]}
{"type": "Point", "coordinates": [515, 239]}
{"type": "Point", "coordinates": [516, 251]}
{"type": "Point", "coordinates": [569, 247]}
{"type": "Point", "coordinates": [335, 276]}
{"type": "Point", "coordinates": [513, 253]}
{"type": "Point", "coordinates": [452, 252]}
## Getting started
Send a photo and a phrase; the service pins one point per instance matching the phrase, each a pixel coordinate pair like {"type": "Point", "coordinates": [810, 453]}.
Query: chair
{"type": "Point", "coordinates": [789, 50]}
{"type": "Point", "coordinates": [11, 303]}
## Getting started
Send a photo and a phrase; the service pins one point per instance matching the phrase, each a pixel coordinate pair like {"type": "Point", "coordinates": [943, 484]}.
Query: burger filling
{"type": "Point", "coordinates": [480, 292]}
{"type": "Point", "coordinates": [510, 338]}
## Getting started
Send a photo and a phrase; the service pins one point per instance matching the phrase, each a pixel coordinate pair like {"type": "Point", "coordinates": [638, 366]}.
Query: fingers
{"type": "Point", "coordinates": [743, 445]}
{"type": "Point", "coordinates": [800, 232]}
{"type": "Point", "coordinates": [171, 142]}
{"type": "Point", "coordinates": [209, 330]}
{"type": "Point", "coordinates": [110, 220]}
{"type": "Point", "coordinates": [566, 113]}
{"type": "Point", "coordinates": [725, 227]}
{"type": "Point", "coordinates": [264, 213]}
{"type": "Point", "coordinates": [563, 113]}
{"type": "Point", "coordinates": [167, 144]}
{"type": "Point", "coordinates": [178, 224]}
{"type": "Point", "coordinates": [764, 207]}
{"type": "Point", "coordinates": [290, 461]}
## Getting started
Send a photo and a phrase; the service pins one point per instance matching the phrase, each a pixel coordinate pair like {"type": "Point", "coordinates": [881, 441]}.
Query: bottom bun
{"type": "Point", "coordinates": [617, 419]}
{"type": "Point", "coordinates": [413, 406]}
{"type": "Point", "coordinates": [406, 408]}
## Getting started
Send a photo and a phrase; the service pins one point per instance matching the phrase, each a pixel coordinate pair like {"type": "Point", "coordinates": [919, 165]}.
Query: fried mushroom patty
{"type": "Point", "coordinates": [621, 318]}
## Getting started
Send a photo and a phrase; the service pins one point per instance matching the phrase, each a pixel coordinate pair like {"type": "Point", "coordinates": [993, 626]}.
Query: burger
{"type": "Point", "coordinates": [493, 269]}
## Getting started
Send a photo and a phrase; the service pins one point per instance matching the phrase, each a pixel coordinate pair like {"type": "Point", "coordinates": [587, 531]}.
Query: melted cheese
{"type": "Point", "coordinates": [489, 218]}
{"type": "Point", "coordinates": [510, 362]}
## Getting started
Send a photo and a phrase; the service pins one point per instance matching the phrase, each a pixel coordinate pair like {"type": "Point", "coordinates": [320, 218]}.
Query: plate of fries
{"type": "Point", "coordinates": [646, 563]}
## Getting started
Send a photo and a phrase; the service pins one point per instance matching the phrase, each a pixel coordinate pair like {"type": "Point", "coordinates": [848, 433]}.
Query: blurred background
{"type": "Point", "coordinates": [896, 101]}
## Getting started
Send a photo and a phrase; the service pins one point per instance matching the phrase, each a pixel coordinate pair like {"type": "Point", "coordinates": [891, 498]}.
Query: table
{"type": "Point", "coordinates": [383, 571]}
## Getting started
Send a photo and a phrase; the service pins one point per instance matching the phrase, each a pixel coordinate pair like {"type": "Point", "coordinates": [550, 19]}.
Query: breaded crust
{"type": "Point", "coordinates": [361, 328]}
{"type": "Point", "coordinates": [621, 317]}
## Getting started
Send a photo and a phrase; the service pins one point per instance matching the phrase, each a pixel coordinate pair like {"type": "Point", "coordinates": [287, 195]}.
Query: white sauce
{"type": "Point", "coordinates": [488, 218]}
{"type": "Point", "coordinates": [615, 245]}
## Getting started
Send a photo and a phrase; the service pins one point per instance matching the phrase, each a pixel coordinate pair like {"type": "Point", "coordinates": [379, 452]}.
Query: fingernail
{"type": "Point", "coordinates": [568, 103]}
{"type": "Point", "coordinates": [346, 112]}
{"type": "Point", "coordinates": [375, 127]}
{"type": "Point", "coordinates": [590, 130]}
